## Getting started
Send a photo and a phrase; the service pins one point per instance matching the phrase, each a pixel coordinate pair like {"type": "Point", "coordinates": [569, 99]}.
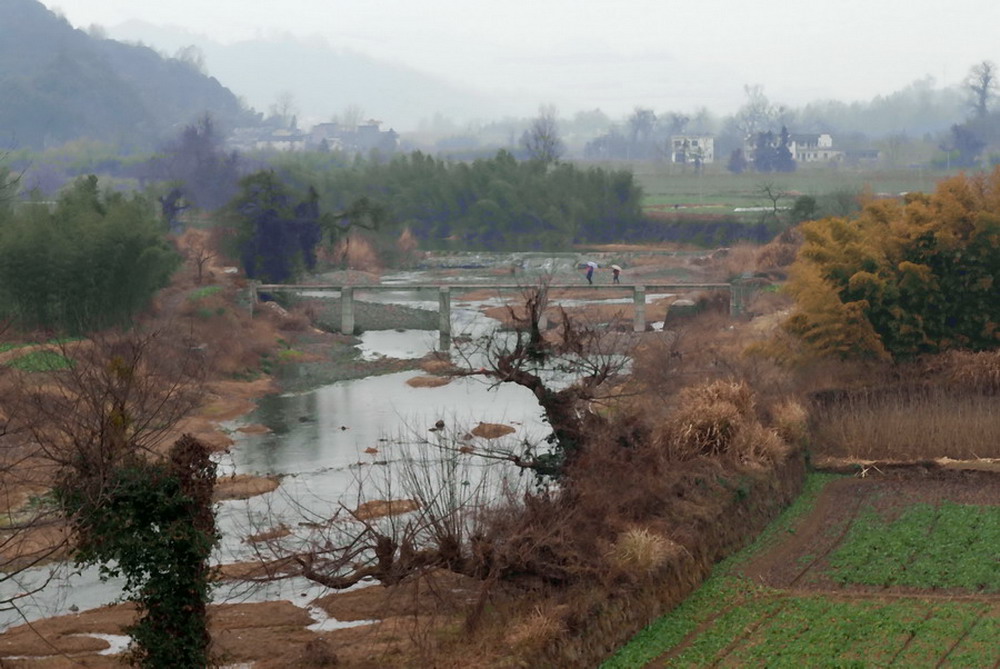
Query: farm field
{"type": "Point", "coordinates": [720, 192]}
{"type": "Point", "coordinates": [901, 569]}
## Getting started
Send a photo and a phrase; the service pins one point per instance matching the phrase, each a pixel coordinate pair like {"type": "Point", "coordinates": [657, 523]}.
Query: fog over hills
{"type": "Point", "coordinates": [60, 83]}
{"type": "Point", "coordinates": [324, 80]}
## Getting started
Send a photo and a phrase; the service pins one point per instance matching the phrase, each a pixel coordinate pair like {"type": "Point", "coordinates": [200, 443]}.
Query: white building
{"type": "Point", "coordinates": [813, 148]}
{"type": "Point", "coordinates": [692, 149]}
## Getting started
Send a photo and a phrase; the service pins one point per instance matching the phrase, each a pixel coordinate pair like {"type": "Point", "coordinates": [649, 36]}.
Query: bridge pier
{"type": "Point", "coordinates": [347, 310]}
{"type": "Point", "coordinates": [444, 319]}
{"type": "Point", "coordinates": [639, 302]}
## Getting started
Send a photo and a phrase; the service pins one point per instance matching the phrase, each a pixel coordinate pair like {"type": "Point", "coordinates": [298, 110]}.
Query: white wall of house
{"type": "Point", "coordinates": [688, 148]}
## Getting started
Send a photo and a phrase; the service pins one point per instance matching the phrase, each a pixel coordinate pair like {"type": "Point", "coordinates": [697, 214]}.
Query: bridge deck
{"type": "Point", "coordinates": [446, 290]}
{"type": "Point", "coordinates": [648, 287]}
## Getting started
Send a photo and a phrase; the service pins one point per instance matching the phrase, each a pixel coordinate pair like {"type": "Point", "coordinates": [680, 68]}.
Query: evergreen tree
{"type": "Point", "coordinates": [277, 236]}
{"type": "Point", "coordinates": [95, 261]}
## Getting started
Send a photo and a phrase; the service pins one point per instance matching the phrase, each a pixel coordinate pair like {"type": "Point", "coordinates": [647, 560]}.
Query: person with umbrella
{"type": "Point", "coordinates": [591, 266]}
{"type": "Point", "coordinates": [616, 272]}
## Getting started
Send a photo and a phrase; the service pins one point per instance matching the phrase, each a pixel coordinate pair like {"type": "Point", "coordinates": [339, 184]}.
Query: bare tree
{"type": "Point", "coordinates": [26, 510]}
{"type": "Point", "coordinates": [117, 399]}
{"type": "Point", "coordinates": [982, 85]}
{"type": "Point", "coordinates": [541, 140]}
{"type": "Point", "coordinates": [774, 196]}
{"type": "Point", "coordinates": [284, 109]}
{"type": "Point", "coordinates": [568, 370]}
{"type": "Point", "coordinates": [200, 252]}
{"type": "Point", "coordinates": [9, 182]}
{"type": "Point", "coordinates": [757, 114]}
{"type": "Point", "coordinates": [351, 117]}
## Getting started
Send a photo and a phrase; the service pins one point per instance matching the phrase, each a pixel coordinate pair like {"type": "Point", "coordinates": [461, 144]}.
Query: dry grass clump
{"type": "Point", "coordinates": [755, 443]}
{"type": "Point", "coordinates": [736, 260]}
{"type": "Point", "coordinates": [776, 256]}
{"type": "Point", "coordinates": [641, 551]}
{"type": "Point", "coordinates": [978, 371]}
{"type": "Point", "coordinates": [791, 420]}
{"type": "Point", "coordinates": [720, 418]}
{"type": "Point", "coordinates": [530, 634]}
{"type": "Point", "coordinates": [707, 419]}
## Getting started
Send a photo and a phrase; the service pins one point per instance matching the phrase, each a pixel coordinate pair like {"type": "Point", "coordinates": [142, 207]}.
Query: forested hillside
{"type": "Point", "coordinates": [61, 84]}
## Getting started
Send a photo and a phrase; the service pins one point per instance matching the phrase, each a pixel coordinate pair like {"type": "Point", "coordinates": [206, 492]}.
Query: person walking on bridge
{"type": "Point", "coordinates": [591, 266]}
{"type": "Point", "coordinates": [616, 272]}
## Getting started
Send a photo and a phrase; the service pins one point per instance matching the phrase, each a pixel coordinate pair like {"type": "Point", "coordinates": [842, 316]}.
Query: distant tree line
{"type": "Point", "coordinates": [496, 203]}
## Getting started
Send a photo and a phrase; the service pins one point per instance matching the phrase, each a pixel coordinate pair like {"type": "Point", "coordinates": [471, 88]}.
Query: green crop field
{"type": "Point", "coordinates": [927, 546]}
{"type": "Point", "coordinates": [946, 556]}
{"type": "Point", "coordinates": [667, 186]}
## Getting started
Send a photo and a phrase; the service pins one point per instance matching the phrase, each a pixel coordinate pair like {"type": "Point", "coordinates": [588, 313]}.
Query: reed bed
{"type": "Point", "coordinates": [908, 423]}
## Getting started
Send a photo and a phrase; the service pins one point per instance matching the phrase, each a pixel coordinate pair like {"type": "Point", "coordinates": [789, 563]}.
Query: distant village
{"type": "Point", "coordinates": [363, 138]}
{"type": "Point", "coordinates": [682, 149]}
{"type": "Point", "coordinates": [698, 149]}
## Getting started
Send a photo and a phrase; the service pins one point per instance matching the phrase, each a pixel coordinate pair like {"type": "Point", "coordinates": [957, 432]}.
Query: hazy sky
{"type": "Point", "coordinates": [617, 54]}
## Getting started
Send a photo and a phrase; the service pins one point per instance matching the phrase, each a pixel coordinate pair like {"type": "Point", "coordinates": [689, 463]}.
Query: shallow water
{"type": "Point", "coordinates": [336, 446]}
{"type": "Point", "coordinates": [318, 443]}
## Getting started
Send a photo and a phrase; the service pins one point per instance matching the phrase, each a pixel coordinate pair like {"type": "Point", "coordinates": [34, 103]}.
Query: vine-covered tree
{"type": "Point", "coordinates": [903, 278]}
{"type": "Point", "coordinates": [97, 426]}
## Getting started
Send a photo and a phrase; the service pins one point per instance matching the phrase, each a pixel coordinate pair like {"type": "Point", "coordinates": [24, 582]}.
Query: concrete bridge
{"type": "Point", "coordinates": [738, 294]}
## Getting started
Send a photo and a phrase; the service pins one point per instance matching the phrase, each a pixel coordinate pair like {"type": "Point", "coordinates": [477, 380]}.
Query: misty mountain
{"type": "Point", "coordinates": [322, 80]}
{"type": "Point", "coordinates": [59, 84]}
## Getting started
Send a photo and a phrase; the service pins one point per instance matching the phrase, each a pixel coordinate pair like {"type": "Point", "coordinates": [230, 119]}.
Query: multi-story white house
{"type": "Point", "coordinates": [813, 148]}
{"type": "Point", "coordinates": [692, 149]}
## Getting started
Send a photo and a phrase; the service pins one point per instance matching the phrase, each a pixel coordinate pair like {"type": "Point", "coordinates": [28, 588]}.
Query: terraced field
{"type": "Point", "coordinates": [898, 569]}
